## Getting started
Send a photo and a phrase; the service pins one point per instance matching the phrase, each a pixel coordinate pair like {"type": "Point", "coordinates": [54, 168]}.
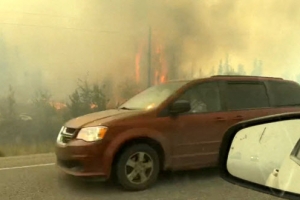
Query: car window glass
{"type": "Point", "coordinates": [295, 155]}
{"type": "Point", "coordinates": [153, 96]}
{"type": "Point", "coordinates": [203, 98]}
{"type": "Point", "coordinates": [246, 96]}
{"type": "Point", "coordinates": [284, 94]}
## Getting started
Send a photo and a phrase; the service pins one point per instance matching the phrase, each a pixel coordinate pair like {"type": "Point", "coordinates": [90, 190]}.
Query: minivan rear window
{"type": "Point", "coordinates": [284, 93]}
{"type": "Point", "coordinates": [248, 95]}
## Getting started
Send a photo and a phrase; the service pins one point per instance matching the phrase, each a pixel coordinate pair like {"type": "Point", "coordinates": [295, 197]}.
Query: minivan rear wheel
{"type": "Point", "coordinates": [137, 167]}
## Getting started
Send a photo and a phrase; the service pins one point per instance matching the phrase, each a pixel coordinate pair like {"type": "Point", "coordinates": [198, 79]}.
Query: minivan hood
{"type": "Point", "coordinates": [108, 115]}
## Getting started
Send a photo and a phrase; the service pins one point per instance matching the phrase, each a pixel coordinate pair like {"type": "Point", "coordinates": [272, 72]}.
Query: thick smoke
{"type": "Point", "coordinates": [49, 44]}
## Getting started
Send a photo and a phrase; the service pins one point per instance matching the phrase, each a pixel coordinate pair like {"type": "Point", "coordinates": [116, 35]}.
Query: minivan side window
{"type": "Point", "coordinates": [203, 97]}
{"type": "Point", "coordinates": [246, 95]}
{"type": "Point", "coordinates": [284, 93]}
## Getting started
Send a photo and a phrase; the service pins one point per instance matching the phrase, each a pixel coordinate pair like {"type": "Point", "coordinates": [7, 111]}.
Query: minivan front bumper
{"type": "Point", "coordinates": [80, 158]}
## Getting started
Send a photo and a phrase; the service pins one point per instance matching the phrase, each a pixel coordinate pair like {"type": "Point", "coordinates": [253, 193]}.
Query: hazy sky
{"type": "Point", "coordinates": [51, 43]}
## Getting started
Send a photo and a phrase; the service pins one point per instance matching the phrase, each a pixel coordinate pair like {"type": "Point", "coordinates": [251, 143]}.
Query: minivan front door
{"type": "Point", "coordinates": [198, 133]}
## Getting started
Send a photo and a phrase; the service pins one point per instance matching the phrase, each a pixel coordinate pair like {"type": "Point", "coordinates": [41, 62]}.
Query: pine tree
{"type": "Point", "coordinates": [298, 78]}
{"type": "Point", "coordinates": [86, 99]}
{"type": "Point", "coordinates": [220, 69]}
{"type": "Point", "coordinates": [5, 76]}
{"type": "Point", "coordinates": [227, 67]}
{"type": "Point", "coordinates": [257, 68]}
{"type": "Point", "coordinates": [11, 103]}
{"type": "Point", "coordinates": [241, 70]}
{"type": "Point", "coordinates": [98, 98]}
{"type": "Point", "coordinates": [212, 71]}
{"type": "Point", "coordinates": [41, 102]}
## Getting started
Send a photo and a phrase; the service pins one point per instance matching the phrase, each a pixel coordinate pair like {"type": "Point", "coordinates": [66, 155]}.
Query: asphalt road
{"type": "Point", "coordinates": [36, 177]}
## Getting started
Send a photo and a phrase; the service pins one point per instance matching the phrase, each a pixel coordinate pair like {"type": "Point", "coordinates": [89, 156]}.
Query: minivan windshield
{"type": "Point", "coordinates": [152, 96]}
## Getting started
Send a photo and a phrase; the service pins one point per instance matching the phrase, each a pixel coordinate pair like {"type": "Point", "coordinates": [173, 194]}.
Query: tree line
{"type": "Point", "coordinates": [38, 122]}
{"type": "Point", "coordinates": [225, 68]}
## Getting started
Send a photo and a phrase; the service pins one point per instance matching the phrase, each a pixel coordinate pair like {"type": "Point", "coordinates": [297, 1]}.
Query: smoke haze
{"type": "Point", "coordinates": [49, 44]}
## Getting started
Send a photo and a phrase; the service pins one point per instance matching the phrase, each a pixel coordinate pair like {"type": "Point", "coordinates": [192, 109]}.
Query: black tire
{"type": "Point", "coordinates": [122, 168]}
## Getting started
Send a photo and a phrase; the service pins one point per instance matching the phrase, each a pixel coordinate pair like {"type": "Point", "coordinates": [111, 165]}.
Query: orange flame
{"type": "Point", "coordinates": [162, 64]}
{"type": "Point", "coordinates": [159, 62]}
{"type": "Point", "coordinates": [137, 67]}
{"type": "Point", "coordinates": [58, 105]}
{"type": "Point", "coordinates": [162, 79]}
{"type": "Point", "coordinates": [93, 105]}
{"type": "Point", "coordinates": [156, 76]}
{"type": "Point", "coordinates": [138, 59]}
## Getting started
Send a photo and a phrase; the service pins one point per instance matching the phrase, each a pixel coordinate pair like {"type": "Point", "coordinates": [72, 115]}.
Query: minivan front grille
{"type": "Point", "coordinates": [67, 134]}
{"type": "Point", "coordinates": [65, 139]}
{"type": "Point", "coordinates": [70, 130]}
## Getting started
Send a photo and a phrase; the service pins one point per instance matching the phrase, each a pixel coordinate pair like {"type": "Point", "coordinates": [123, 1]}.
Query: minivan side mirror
{"type": "Point", "coordinates": [263, 154]}
{"type": "Point", "coordinates": [180, 106]}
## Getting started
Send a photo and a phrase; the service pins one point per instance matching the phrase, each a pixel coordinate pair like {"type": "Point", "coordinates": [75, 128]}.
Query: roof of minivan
{"type": "Point", "coordinates": [244, 77]}
{"type": "Point", "coordinates": [232, 77]}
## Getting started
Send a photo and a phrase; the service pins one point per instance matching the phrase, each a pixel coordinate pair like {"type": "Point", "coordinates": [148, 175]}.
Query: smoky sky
{"type": "Point", "coordinates": [49, 44]}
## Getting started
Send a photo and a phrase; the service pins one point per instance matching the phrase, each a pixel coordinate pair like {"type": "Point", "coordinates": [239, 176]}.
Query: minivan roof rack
{"type": "Point", "coordinates": [247, 76]}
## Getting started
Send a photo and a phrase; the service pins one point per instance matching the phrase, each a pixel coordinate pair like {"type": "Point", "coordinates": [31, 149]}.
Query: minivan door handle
{"type": "Point", "coordinates": [238, 117]}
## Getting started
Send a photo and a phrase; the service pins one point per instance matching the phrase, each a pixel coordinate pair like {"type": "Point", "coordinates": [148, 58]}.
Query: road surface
{"type": "Point", "coordinates": [36, 177]}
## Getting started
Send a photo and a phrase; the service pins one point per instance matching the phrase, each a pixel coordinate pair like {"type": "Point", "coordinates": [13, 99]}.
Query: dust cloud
{"type": "Point", "coordinates": [49, 44]}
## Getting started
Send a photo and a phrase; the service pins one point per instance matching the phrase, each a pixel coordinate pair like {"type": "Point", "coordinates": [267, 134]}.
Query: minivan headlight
{"type": "Point", "coordinates": [91, 134]}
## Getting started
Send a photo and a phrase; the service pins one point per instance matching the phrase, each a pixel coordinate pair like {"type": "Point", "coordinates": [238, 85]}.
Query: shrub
{"type": "Point", "coordinates": [87, 98]}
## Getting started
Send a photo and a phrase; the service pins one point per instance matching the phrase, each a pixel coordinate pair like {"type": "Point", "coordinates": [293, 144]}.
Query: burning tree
{"type": "Point", "coordinates": [154, 56]}
{"type": "Point", "coordinates": [42, 102]}
{"type": "Point", "coordinates": [87, 98]}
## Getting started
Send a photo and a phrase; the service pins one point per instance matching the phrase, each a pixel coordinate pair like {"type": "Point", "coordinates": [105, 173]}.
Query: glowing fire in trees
{"type": "Point", "coordinates": [161, 69]}
{"type": "Point", "coordinates": [138, 63]}
{"type": "Point", "coordinates": [58, 105]}
{"type": "Point", "coordinates": [159, 65]}
{"type": "Point", "coordinates": [93, 106]}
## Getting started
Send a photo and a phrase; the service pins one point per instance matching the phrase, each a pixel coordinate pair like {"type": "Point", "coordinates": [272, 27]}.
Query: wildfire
{"type": "Point", "coordinates": [162, 79]}
{"type": "Point", "coordinates": [162, 65]}
{"type": "Point", "coordinates": [93, 105]}
{"type": "Point", "coordinates": [58, 105]}
{"type": "Point", "coordinates": [138, 58]}
{"type": "Point", "coordinates": [137, 67]}
{"type": "Point", "coordinates": [158, 61]}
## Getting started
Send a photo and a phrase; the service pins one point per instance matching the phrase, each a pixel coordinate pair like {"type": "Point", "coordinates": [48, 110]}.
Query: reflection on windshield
{"type": "Point", "coordinates": [153, 96]}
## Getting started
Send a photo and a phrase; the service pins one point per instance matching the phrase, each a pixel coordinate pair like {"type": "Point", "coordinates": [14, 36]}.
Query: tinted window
{"type": "Point", "coordinates": [246, 95]}
{"type": "Point", "coordinates": [284, 93]}
{"type": "Point", "coordinates": [203, 97]}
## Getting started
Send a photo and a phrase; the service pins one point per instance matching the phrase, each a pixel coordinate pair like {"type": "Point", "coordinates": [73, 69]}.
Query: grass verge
{"type": "Point", "coordinates": [17, 150]}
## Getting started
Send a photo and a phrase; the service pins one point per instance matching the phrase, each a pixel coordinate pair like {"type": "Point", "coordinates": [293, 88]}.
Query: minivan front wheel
{"type": "Point", "coordinates": [137, 167]}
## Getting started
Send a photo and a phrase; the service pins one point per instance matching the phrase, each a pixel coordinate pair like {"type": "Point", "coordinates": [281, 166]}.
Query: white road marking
{"type": "Point", "coordinates": [28, 166]}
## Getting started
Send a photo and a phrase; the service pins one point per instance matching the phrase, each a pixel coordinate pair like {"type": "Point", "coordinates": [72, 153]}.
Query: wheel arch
{"type": "Point", "coordinates": [156, 141]}
{"type": "Point", "coordinates": [142, 140]}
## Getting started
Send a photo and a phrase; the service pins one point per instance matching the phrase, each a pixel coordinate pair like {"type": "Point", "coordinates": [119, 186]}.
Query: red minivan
{"type": "Point", "coordinates": [177, 125]}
